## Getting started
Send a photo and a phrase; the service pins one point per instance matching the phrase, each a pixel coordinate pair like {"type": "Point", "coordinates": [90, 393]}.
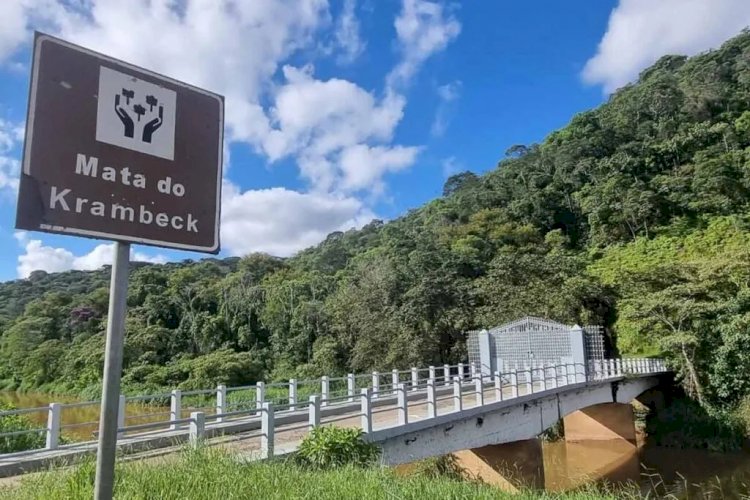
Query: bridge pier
{"type": "Point", "coordinates": [509, 466]}
{"type": "Point", "coordinates": [601, 422]}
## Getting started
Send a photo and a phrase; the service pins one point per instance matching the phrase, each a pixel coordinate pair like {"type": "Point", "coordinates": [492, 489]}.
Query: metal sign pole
{"type": "Point", "coordinates": [106, 451]}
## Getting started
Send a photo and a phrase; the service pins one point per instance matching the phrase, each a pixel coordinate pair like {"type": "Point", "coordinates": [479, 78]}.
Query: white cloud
{"type": "Point", "coordinates": [323, 116]}
{"type": "Point", "coordinates": [347, 34]}
{"type": "Point", "coordinates": [103, 254]}
{"type": "Point", "coordinates": [12, 27]}
{"type": "Point", "coordinates": [281, 222]}
{"type": "Point", "coordinates": [40, 257]}
{"type": "Point", "coordinates": [143, 257]}
{"type": "Point", "coordinates": [11, 136]}
{"type": "Point", "coordinates": [37, 256]}
{"type": "Point", "coordinates": [641, 31]}
{"type": "Point", "coordinates": [9, 171]}
{"type": "Point", "coordinates": [363, 166]}
{"type": "Point", "coordinates": [450, 91]}
{"type": "Point", "coordinates": [423, 29]}
{"type": "Point", "coordinates": [323, 122]}
{"type": "Point", "coordinates": [447, 94]}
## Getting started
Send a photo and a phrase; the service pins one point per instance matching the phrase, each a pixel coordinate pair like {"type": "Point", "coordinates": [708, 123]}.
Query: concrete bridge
{"type": "Point", "coordinates": [592, 410]}
{"type": "Point", "coordinates": [497, 441]}
{"type": "Point", "coordinates": [411, 414]}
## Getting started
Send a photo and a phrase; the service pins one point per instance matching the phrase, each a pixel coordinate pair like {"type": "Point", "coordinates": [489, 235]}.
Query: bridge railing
{"type": "Point", "coordinates": [472, 391]}
{"type": "Point", "coordinates": [420, 392]}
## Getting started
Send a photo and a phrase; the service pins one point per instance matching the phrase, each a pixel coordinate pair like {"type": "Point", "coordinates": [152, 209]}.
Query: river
{"type": "Point", "coordinates": [657, 470]}
{"type": "Point", "coordinates": [84, 418]}
{"type": "Point", "coordinates": [565, 465]}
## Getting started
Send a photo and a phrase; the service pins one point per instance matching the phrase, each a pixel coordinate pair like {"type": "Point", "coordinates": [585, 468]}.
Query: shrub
{"type": "Point", "coordinates": [742, 415]}
{"type": "Point", "coordinates": [686, 424]}
{"type": "Point", "coordinates": [331, 447]}
{"type": "Point", "coordinates": [554, 433]}
{"type": "Point", "coordinates": [13, 423]}
{"type": "Point", "coordinates": [443, 466]}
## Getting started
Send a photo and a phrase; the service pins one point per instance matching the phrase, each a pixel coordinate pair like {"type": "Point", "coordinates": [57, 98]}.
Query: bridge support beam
{"type": "Point", "coordinates": [510, 466]}
{"type": "Point", "coordinates": [602, 422]}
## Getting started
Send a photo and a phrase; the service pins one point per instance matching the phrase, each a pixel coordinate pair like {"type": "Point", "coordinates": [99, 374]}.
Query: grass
{"type": "Point", "coordinates": [211, 474]}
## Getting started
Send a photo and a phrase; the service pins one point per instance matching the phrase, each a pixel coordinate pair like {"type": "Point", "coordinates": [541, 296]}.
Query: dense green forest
{"type": "Point", "coordinates": [635, 216]}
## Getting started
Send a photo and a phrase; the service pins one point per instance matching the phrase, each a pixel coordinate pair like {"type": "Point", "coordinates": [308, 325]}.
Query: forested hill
{"type": "Point", "coordinates": [635, 216]}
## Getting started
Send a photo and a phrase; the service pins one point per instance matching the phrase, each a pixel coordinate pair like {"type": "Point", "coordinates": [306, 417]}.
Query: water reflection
{"type": "Point", "coordinates": [568, 465]}
{"type": "Point", "coordinates": [695, 473]}
{"type": "Point", "coordinates": [657, 471]}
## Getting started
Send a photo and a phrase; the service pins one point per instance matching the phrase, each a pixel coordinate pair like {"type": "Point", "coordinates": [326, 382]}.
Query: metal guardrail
{"type": "Point", "coordinates": [416, 382]}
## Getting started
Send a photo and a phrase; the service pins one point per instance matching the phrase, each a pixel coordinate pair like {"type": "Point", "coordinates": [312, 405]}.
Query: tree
{"type": "Point", "coordinates": [458, 182]}
{"type": "Point", "coordinates": [516, 151]}
{"type": "Point", "coordinates": [676, 316]}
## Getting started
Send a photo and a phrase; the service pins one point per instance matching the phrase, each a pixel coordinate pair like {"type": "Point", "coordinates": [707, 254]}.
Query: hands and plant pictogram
{"type": "Point", "coordinates": [139, 110]}
{"type": "Point", "coordinates": [153, 125]}
{"type": "Point", "coordinates": [128, 94]}
{"type": "Point", "coordinates": [125, 118]}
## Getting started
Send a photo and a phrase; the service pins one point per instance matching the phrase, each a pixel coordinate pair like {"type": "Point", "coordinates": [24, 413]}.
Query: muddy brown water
{"type": "Point", "coordinates": [84, 418]}
{"type": "Point", "coordinates": [657, 471]}
{"type": "Point", "coordinates": [683, 473]}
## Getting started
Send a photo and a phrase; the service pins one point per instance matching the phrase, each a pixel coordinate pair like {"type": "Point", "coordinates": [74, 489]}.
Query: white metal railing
{"type": "Point", "coordinates": [464, 384]}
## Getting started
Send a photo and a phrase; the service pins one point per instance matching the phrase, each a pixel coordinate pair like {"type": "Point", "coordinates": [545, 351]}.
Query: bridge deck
{"type": "Point", "coordinates": [288, 436]}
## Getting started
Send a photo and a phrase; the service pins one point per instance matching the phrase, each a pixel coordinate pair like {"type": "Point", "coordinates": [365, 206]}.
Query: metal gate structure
{"type": "Point", "coordinates": [533, 341]}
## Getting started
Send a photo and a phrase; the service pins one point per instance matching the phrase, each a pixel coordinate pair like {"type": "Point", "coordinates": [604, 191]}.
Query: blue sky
{"type": "Point", "coordinates": [344, 110]}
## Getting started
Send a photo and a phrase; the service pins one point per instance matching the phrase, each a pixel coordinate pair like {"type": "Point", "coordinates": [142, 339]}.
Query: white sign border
{"type": "Point", "coordinates": [39, 38]}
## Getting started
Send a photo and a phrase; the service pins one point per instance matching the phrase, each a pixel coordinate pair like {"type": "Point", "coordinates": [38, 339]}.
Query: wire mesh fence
{"type": "Point", "coordinates": [534, 341]}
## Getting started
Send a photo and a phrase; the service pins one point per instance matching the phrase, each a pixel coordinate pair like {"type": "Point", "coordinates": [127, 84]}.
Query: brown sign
{"type": "Point", "coordinates": [117, 152]}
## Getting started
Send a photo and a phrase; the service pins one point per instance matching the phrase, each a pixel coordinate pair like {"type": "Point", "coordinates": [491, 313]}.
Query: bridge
{"type": "Point", "coordinates": [411, 414]}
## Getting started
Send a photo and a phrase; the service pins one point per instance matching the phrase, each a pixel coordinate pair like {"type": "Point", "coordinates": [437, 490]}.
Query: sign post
{"type": "Point", "coordinates": [106, 450]}
{"type": "Point", "coordinates": [118, 152]}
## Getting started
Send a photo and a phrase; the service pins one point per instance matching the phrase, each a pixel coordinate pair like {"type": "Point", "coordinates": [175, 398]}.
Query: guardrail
{"type": "Point", "coordinates": [426, 386]}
